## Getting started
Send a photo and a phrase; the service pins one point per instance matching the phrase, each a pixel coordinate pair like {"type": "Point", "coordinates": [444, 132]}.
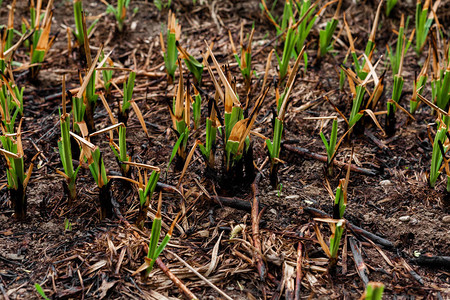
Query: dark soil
{"type": "Point", "coordinates": [96, 259]}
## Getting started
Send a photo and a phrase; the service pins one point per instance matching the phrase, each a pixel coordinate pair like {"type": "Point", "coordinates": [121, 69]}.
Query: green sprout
{"type": "Point", "coordinates": [397, 66]}
{"type": "Point", "coordinates": [208, 149]}
{"type": "Point", "coordinates": [419, 84]}
{"type": "Point", "coordinates": [196, 108]}
{"type": "Point", "coordinates": [160, 4]}
{"type": "Point", "coordinates": [120, 12]}
{"type": "Point", "coordinates": [120, 151]}
{"type": "Point", "coordinates": [171, 55]}
{"type": "Point", "coordinates": [424, 19]}
{"type": "Point", "coordinates": [11, 103]}
{"type": "Point", "coordinates": [282, 101]}
{"type": "Point", "coordinates": [125, 106]}
{"type": "Point", "coordinates": [65, 152]}
{"type": "Point", "coordinates": [67, 225]}
{"type": "Point", "coordinates": [37, 286]}
{"type": "Point", "coordinates": [8, 43]}
{"type": "Point", "coordinates": [245, 61]}
{"type": "Point", "coordinates": [107, 72]}
{"type": "Point", "coordinates": [374, 291]}
{"type": "Point", "coordinates": [93, 156]}
{"type": "Point", "coordinates": [154, 250]}
{"type": "Point", "coordinates": [180, 114]}
{"type": "Point", "coordinates": [288, 51]}
{"type": "Point", "coordinates": [85, 101]}
{"type": "Point", "coordinates": [326, 34]}
{"type": "Point", "coordinates": [402, 46]}
{"type": "Point", "coordinates": [330, 145]}
{"type": "Point", "coordinates": [193, 65]}
{"type": "Point", "coordinates": [146, 187]}
{"type": "Point", "coordinates": [389, 6]}
{"type": "Point", "coordinates": [41, 41]}
{"type": "Point", "coordinates": [80, 33]}
{"type": "Point", "coordinates": [307, 18]}
{"type": "Point", "coordinates": [237, 150]}
{"type": "Point", "coordinates": [437, 154]}
{"type": "Point", "coordinates": [17, 176]}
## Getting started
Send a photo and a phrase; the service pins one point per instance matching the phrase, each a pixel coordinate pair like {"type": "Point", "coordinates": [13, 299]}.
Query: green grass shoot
{"type": "Point", "coordinates": [424, 20]}
{"type": "Point", "coordinates": [119, 12]}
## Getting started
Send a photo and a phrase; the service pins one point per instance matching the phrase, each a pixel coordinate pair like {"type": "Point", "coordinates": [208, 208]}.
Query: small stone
{"type": "Point", "coordinates": [292, 197]}
{"type": "Point", "coordinates": [404, 218]}
{"type": "Point", "coordinates": [446, 219]}
{"type": "Point", "coordinates": [309, 202]}
{"type": "Point", "coordinates": [413, 221]}
{"type": "Point", "coordinates": [385, 182]}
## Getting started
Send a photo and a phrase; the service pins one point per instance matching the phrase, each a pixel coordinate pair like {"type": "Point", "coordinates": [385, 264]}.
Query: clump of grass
{"type": "Point", "coordinates": [424, 20]}
{"type": "Point", "coordinates": [41, 41]}
{"type": "Point", "coordinates": [93, 156]}
{"type": "Point", "coordinates": [146, 187]}
{"type": "Point", "coordinates": [337, 223]}
{"type": "Point", "coordinates": [390, 4]}
{"type": "Point", "coordinates": [326, 34]}
{"type": "Point", "coordinates": [169, 49]}
{"type": "Point", "coordinates": [374, 291]}
{"type": "Point", "coordinates": [107, 73]}
{"type": "Point", "coordinates": [154, 250]}
{"type": "Point", "coordinates": [85, 101]}
{"type": "Point", "coordinates": [65, 151]}
{"type": "Point", "coordinates": [80, 33]}
{"type": "Point", "coordinates": [120, 151]}
{"type": "Point", "coordinates": [180, 113]}
{"type": "Point", "coordinates": [119, 12]}
{"type": "Point", "coordinates": [274, 146]}
{"type": "Point", "coordinates": [8, 39]}
{"type": "Point", "coordinates": [11, 103]}
{"type": "Point", "coordinates": [128, 88]}
{"type": "Point", "coordinates": [358, 77]}
{"type": "Point", "coordinates": [396, 60]}
{"type": "Point", "coordinates": [17, 176]}
{"type": "Point", "coordinates": [438, 153]}
{"type": "Point", "coordinates": [193, 65]}
{"type": "Point", "coordinates": [234, 129]}
{"type": "Point", "coordinates": [401, 48]}
{"type": "Point", "coordinates": [419, 84]}
{"type": "Point", "coordinates": [288, 51]}
{"type": "Point", "coordinates": [160, 4]}
{"type": "Point", "coordinates": [245, 60]}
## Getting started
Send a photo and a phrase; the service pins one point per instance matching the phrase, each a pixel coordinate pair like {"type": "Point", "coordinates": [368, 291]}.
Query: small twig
{"type": "Point", "coordinates": [255, 229]}
{"type": "Point", "coordinates": [298, 279]}
{"type": "Point", "coordinates": [357, 230]}
{"type": "Point", "coordinates": [175, 279]}
{"type": "Point", "coordinates": [234, 202]}
{"type": "Point", "coordinates": [376, 141]}
{"type": "Point", "coordinates": [305, 152]}
{"type": "Point", "coordinates": [200, 276]}
{"type": "Point", "coordinates": [5, 295]}
{"type": "Point", "coordinates": [359, 262]}
{"type": "Point", "coordinates": [433, 261]}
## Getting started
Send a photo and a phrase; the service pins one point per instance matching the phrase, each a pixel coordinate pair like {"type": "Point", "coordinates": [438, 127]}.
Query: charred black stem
{"type": "Point", "coordinates": [274, 175]}
{"type": "Point", "coordinates": [106, 206]}
{"type": "Point", "coordinates": [390, 122]}
{"type": "Point", "coordinates": [19, 200]}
